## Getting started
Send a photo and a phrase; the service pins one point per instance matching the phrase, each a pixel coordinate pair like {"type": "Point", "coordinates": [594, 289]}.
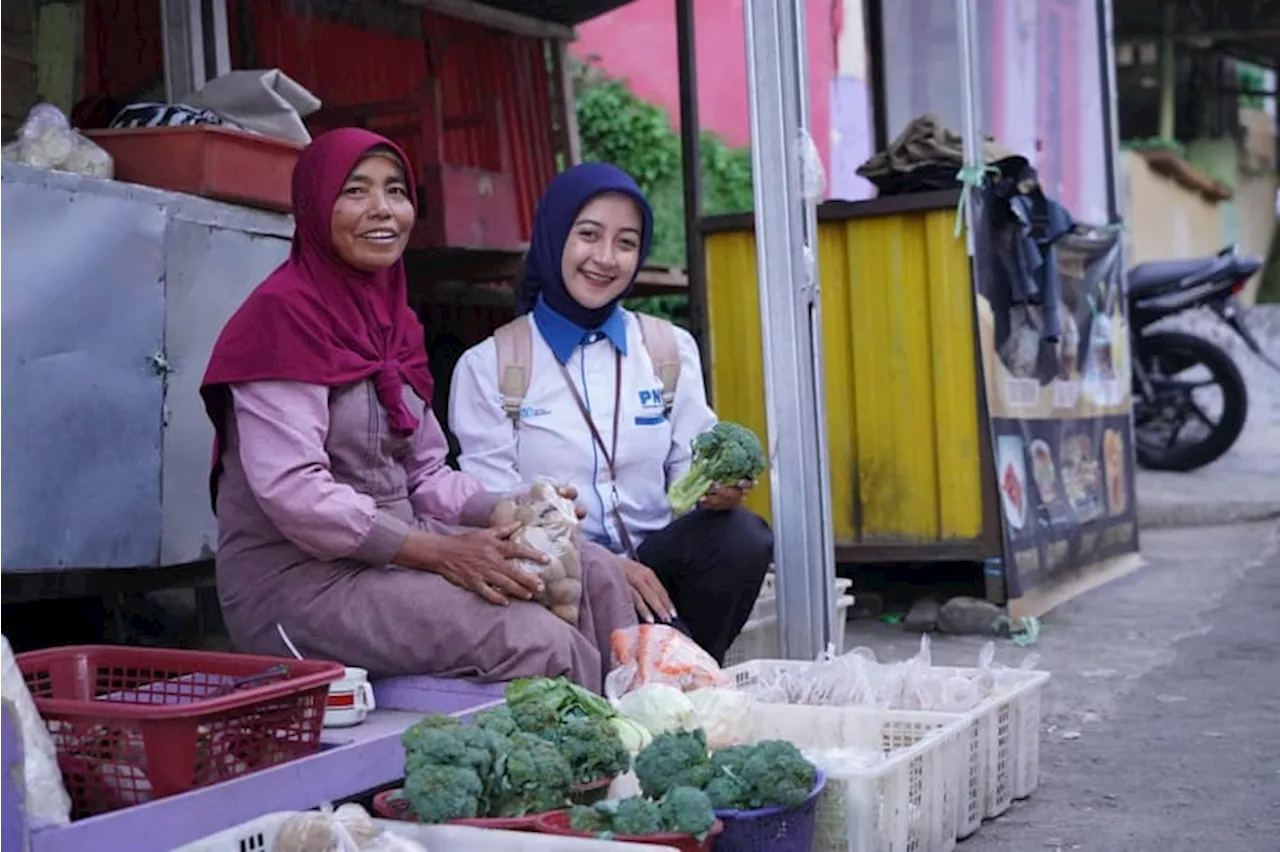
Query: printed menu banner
{"type": "Point", "coordinates": [1059, 408]}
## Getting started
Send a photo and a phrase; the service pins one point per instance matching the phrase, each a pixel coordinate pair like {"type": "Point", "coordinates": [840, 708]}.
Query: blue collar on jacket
{"type": "Point", "coordinates": [564, 336]}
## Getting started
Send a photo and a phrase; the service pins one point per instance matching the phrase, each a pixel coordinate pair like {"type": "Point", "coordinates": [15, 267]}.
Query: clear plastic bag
{"type": "Point", "coordinates": [47, 140]}
{"type": "Point", "coordinates": [549, 524]}
{"type": "Point", "coordinates": [656, 653]}
{"type": "Point", "coordinates": [348, 829]}
{"type": "Point", "coordinates": [46, 802]}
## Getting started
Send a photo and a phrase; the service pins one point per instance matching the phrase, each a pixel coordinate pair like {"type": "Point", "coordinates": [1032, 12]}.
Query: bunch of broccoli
{"type": "Point", "coordinates": [772, 773]}
{"type": "Point", "coordinates": [590, 744]}
{"type": "Point", "coordinates": [563, 714]}
{"type": "Point", "coordinates": [456, 771]}
{"type": "Point", "coordinates": [727, 453]}
{"type": "Point", "coordinates": [683, 810]}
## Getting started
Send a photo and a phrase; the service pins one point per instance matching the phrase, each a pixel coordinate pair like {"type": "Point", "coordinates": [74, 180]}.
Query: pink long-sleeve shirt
{"type": "Point", "coordinates": [281, 428]}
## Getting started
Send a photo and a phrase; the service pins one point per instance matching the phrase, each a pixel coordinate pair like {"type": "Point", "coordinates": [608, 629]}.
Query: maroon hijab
{"type": "Point", "coordinates": [316, 319]}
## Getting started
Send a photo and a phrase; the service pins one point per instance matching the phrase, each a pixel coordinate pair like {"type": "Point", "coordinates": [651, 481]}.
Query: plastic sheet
{"type": "Point", "coordinates": [47, 802]}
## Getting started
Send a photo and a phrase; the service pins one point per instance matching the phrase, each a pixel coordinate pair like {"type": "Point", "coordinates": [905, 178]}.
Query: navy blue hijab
{"type": "Point", "coordinates": [558, 208]}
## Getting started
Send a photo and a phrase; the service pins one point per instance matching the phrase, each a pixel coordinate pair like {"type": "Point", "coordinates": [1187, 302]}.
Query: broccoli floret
{"type": "Point", "coordinates": [636, 817]}
{"type": "Point", "coordinates": [535, 777]}
{"type": "Point", "coordinates": [727, 453]}
{"type": "Point", "coordinates": [457, 745]}
{"type": "Point", "coordinates": [769, 774]}
{"type": "Point", "coordinates": [441, 793]}
{"type": "Point", "coordinates": [687, 810]}
{"type": "Point", "coordinates": [583, 818]}
{"type": "Point", "coordinates": [497, 719]}
{"type": "Point", "coordinates": [673, 759]}
{"type": "Point", "coordinates": [593, 749]}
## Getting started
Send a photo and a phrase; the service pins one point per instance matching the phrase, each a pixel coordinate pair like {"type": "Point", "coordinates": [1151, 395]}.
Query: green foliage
{"type": "Point", "coordinates": [616, 126]}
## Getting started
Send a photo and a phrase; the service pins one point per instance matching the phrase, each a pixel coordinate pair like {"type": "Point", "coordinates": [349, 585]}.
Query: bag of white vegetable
{"type": "Point", "coordinates": [348, 829]}
{"type": "Point", "coordinates": [664, 681]}
{"type": "Point", "coordinates": [47, 140]}
{"type": "Point", "coordinates": [858, 679]}
{"type": "Point", "coordinates": [549, 524]}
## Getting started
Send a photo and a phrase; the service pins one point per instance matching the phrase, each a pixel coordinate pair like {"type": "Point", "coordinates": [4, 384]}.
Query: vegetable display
{"type": "Point", "coordinates": [684, 810]}
{"type": "Point", "coordinates": [771, 773]}
{"type": "Point", "coordinates": [727, 453]}
{"type": "Point", "coordinates": [518, 759]}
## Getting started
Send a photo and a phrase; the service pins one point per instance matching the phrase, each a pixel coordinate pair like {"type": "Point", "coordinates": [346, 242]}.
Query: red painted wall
{"type": "Point", "coordinates": [638, 42]}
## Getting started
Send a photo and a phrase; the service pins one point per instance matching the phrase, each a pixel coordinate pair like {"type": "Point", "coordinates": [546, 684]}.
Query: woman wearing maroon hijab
{"type": "Point", "coordinates": [338, 518]}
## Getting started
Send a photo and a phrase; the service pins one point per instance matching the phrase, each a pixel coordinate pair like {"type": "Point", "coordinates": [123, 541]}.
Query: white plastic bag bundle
{"type": "Point", "coordinates": [348, 829]}
{"type": "Point", "coordinates": [47, 802]}
{"type": "Point", "coordinates": [47, 140]}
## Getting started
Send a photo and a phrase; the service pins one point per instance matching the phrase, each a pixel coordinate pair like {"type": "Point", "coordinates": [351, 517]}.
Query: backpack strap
{"type": "Point", "coordinates": [660, 342]}
{"type": "Point", "coordinates": [515, 359]}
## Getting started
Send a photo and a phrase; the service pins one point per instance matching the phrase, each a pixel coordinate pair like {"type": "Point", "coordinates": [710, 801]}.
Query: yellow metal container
{"type": "Point", "coordinates": [906, 430]}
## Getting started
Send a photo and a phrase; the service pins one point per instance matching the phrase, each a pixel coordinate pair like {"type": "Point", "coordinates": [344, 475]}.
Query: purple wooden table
{"type": "Point", "coordinates": [352, 761]}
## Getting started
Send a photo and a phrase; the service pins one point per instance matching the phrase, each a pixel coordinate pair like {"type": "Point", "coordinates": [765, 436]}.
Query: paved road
{"type": "Point", "coordinates": [1161, 727]}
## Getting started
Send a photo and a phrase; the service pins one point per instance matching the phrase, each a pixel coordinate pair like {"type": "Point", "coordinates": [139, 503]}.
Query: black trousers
{"type": "Point", "coordinates": [712, 565]}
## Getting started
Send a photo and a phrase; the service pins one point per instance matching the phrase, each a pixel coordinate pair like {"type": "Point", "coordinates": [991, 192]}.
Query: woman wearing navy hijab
{"type": "Point", "coordinates": [593, 414]}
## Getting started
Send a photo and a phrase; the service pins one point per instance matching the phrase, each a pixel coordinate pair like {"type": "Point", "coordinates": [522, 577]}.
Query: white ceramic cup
{"type": "Point", "coordinates": [350, 700]}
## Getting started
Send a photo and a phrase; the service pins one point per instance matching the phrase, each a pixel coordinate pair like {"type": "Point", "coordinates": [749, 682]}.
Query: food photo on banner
{"type": "Point", "coordinates": [1054, 339]}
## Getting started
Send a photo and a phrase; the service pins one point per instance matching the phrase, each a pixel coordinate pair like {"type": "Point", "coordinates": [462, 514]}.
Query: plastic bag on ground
{"type": "Point", "coordinates": [549, 524]}
{"type": "Point", "coordinates": [656, 653]}
{"type": "Point", "coordinates": [47, 802]}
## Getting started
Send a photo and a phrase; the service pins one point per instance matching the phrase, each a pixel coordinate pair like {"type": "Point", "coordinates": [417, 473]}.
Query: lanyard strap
{"type": "Point", "coordinates": [609, 453]}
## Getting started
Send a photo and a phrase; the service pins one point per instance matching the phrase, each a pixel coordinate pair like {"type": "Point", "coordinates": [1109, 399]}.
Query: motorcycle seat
{"type": "Point", "coordinates": [1155, 276]}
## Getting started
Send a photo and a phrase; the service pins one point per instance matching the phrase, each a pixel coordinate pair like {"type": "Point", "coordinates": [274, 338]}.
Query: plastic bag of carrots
{"type": "Point", "coordinates": [656, 653]}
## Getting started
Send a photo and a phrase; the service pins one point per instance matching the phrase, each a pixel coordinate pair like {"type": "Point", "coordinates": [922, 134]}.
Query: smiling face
{"type": "Point", "coordinates": [602, 251]}
{"type": "Point", "coordinates": [373, 215]}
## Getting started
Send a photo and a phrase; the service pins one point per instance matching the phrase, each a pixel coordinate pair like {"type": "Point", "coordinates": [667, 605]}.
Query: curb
{"type": "Point", "coordinates": [1226, 513]}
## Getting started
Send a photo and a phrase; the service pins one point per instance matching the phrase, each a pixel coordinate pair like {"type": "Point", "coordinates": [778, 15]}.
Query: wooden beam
{"type": "Point", "coordinates": [498, 19]}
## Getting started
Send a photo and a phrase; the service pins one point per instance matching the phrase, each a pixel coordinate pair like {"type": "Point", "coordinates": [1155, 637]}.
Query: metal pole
{"type": "Point", "coordinates": [1110, 116]}
{"type": "Point", "coordinates": [790, 327]}
{"type": "Point", "coordinates": [972, 141]}
{"type": "Point", "coordinates": [690, 150]}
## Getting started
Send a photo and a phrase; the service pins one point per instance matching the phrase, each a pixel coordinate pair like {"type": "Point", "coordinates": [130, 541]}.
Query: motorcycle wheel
{"type": "Point", "coordinates": [1164, 355]}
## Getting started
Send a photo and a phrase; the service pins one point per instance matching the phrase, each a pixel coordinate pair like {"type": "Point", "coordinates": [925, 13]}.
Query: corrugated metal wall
{"type": "Point", "coordinates": [901, 376]}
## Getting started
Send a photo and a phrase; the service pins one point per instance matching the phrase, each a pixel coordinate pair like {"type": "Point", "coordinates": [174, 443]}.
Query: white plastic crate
{"type": "Point", "coordinates": [759, 636]}
{"type": "Point", "coordinates": [767, 601]}
{"type": "Point", "coordinates": [1000, 736]}
{"type": "Point", "coordinates": [259, 835]}
{"type": "Point", "coordinates": [908, 803]}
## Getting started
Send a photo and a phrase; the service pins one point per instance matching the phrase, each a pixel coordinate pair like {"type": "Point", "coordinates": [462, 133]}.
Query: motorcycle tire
{"type": "Point", "coordinates": [1188, 348]}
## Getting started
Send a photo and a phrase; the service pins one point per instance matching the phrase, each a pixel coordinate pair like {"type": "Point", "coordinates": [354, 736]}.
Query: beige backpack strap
{"type": "Point", "coordinates": [515, 362]}
{"type": "Point", "coordinates": [660, 342]}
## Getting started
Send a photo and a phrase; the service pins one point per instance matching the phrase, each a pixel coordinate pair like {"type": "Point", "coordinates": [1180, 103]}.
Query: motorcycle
{"type": "Point", "coordinates": [1164, 406]}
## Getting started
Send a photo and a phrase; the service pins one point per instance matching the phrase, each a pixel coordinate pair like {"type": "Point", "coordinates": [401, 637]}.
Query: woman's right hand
{"type": "Point", "coordinates": [483, 561]}
{"type": "Point", "coordinates": [650, 596]}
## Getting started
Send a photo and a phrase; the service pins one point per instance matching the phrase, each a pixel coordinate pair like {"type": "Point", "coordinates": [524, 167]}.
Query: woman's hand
{"type": "Point", "coordinates": [568, 492]}
{"type": "Point", "coordinates": [720, 498]}
{"type": "Point", "coordinates": [479, 560]}
{"type": "Point", "coordinates": [652, 601]}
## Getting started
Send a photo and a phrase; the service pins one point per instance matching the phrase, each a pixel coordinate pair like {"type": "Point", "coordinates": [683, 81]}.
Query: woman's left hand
{"type": "Point", "coordinates": [720, 498]}
{"type": "Point", "coordinates": [568, 492]}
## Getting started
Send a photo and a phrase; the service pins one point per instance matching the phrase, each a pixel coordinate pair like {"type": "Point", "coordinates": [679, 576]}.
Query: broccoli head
{"type": "Point", "coordinates": [593, 748]}
{"type": "Point", "coordinates": [636, 817]}
{"type": "Point", "coordinates": [772, 773]}
{"type": "Point", "coordinates": [497, 719]}
{"type": "Point", "coordinates": [728, 453]}
{"type": "Point", "coordinates": [535, 778]}
{"type": "Point", "coordinates": [462, 746]}
{"type": "Point", "coordinates": [441, 793]}
{"type": "Point", "coordinates": [686, 810]}
{"type": "Point", "coordinates": [590, 819]}
{"type": "Point", "coordinates": [673, 759]}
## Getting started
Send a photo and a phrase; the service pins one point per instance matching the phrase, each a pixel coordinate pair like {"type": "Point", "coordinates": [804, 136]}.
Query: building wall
{"type": "Point", "coordinates": [637, 42]}
{"type": "Point", "coordinates": [17, 63]}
